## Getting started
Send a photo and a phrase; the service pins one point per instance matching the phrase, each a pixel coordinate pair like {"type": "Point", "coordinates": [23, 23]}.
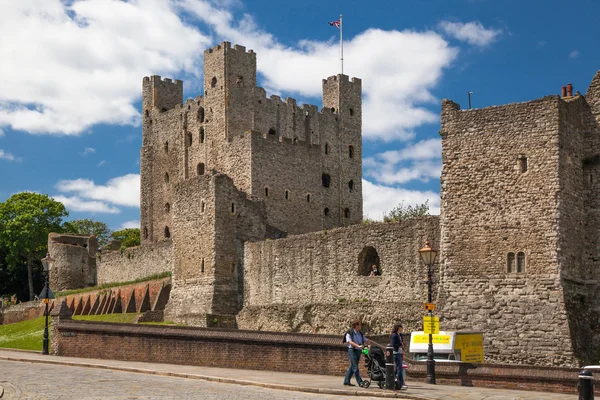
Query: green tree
{"type": "Point", "coordinates": [26, 219]}
{"type": "Point", "coordinates": [401, 212]}
{"type": "Point", "coordinates": [89, 227]}
{"type": "Point", "coordinates": [128, 237]}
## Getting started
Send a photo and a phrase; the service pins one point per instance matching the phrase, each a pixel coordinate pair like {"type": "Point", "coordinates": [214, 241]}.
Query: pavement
{"type": "Point", "coordinates": [316, 384]}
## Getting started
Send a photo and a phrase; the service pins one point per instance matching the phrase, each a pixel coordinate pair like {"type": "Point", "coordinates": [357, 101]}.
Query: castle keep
{"type": "Point", "coordinates": [255, 206]}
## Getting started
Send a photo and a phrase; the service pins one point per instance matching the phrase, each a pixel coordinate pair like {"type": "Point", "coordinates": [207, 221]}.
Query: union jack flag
{"type": "Point", "coordinates": [335, 23]}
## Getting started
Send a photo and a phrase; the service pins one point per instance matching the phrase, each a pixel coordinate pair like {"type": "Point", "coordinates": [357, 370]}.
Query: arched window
{"type": "Point", "coordinates": [326, 180]}
{"type": "Point", "coordinates": [351, 185]}
{"type": "Point", "coordinates": [346, 212]}
{"type": "Point", "coordinates": [167, 232]}
{"type": "Point", "coordinates": [166, 177]}
{"type": "Point", "coordinates": [201, 135]}
{"type": "Point", "coordinates": [332, 109]}
{"type": "Point", "coordinates": [167, 208]}
{"type": "Point", "coordinates": [188, 139]}
{"type": "Point", "coordinates": [351, 151]}
{"type": "Point", "coordinates": [520, 262]}
{"type": "Point", "coordinates": [272, 131]}
{"type": "Point", "coordinates": [166, 146]}
{"type": "Point", "coordinates": [145, 233]}
{"type": "Point", "coordinates": [351, 111]}
{"type": "Point", "coordinates": [366, 259]}
{"type": "Point", "coordinates": [308, 197]}
{"type": "Point", "coordinates": [240, 81]}
{"type": "Point", "coordinates": [213, 82]}
{"type": "Point", "coordinates": [510, 262]}
{"type": "Point", "coordinates": [201, 114]}
{"type": "Point", "coordinates": [287, 194]}
{"type": "Point", "coordinates": [326, 211]}
{"type": "Point", "coordinates": [200, 169]}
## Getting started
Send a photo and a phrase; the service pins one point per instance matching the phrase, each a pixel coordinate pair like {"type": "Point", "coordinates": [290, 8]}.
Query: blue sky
{"type": "Point", "coordinates": [72, 72]}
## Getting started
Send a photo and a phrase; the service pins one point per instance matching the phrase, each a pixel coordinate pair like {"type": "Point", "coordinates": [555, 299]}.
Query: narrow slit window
{"type": "Point", "coordinates": [326, 180]}
{"type": "Point", "coordinates": [351, 151]}
{"type": "Point", "coordinates": [167, 208]}
{"type": "Point", "coordinates": [287, 194]}
{"type": "Point", "coordinates": [202, 265]}
{"type": "Point", "coordinates": [346, 212]}
{"type": "Point", "coordinates": [166, 147]}
{"type": "Point", "coordinates": [167, 232]}
{"type": "Point", "coordinates": [266, 192]}
{"type": "Point", "coordinates": [232, 208]}
{"type": "Point", "coordinates": [326, 148]}
{"type": "Point", "coordinates": [166, 177]}
{"type": "Point", "coordinates": [351, 185]}
{"type": "Point", "coordinates": [326, 211]}
{"type": "Point", "coordinates": [201, 135]}
{"type": "Point", "coordinates": [308, 198]}
{"type": "Point", "coordinates": [523, 164]}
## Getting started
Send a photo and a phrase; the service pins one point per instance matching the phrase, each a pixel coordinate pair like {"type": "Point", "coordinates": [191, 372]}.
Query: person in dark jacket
{"type": "Point", "coordinates": [398, 344]}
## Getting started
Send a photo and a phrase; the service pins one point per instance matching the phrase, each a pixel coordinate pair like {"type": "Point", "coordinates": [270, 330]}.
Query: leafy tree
{"type": "Point", "coordinates": [26, 219]}
{"type": "Point", "coordinates": [89, 227]}
{"type": "Point", "coordinates": [128, 237]}
{"type": "Point", "coordinates": [401, 212]}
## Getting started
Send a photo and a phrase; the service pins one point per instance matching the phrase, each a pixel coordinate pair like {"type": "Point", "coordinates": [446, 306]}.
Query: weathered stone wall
{"type": "Point", "coordinates": [492, 208]}
{"type": "Point", "coordinates": [75, 261]}
{"type": "Point", "coordinates": [135, 262]}
{"type": "Point", "coordinates": [318, 282]}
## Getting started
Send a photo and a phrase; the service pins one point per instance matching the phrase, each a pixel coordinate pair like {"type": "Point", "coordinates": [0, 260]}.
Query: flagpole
{"type": "Point", "coordinates": [341, 46]}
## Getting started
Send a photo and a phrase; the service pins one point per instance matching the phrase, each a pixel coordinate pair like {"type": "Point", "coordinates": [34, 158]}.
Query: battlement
{"type": "Point", "coordinates": [227, 46]}
{"type": "Point", "coordinates": [164, 94]}
{"type": "Point", "coordinates": [333, 80]}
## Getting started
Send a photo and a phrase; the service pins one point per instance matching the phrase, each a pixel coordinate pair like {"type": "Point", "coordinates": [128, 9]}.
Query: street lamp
{"type": "Point", "coordinates": [428, 255]}
{"type": "Point", "coordinates": [46, 294]}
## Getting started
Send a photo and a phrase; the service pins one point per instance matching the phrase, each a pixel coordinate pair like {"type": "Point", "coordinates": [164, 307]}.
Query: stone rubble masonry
{"type": "Point", "coordinates": [490, 207]}
{"type": "Point", "coordinates": [75, 261]}
{"type": "Point", "coordinates": [318, 282]}
{"type": "Point", "coordinates": [135, 262]}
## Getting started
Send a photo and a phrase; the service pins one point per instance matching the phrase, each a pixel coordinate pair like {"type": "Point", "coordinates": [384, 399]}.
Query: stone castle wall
{"type": "Point", "coordinates": [494, 209]}
{"type": "Point", "coordinates": [135, 262]}
{"type": "Point", "coordinates": [75, 261]}
{"type": "Point", "coordinates": [318, 282]}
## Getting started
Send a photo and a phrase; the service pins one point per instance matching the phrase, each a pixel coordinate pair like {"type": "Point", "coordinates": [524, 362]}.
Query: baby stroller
{"type": "Point", "coordinates": [375, 363]}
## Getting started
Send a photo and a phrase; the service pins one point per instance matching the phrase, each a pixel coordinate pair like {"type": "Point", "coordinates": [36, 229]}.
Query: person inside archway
{"type": "Point", "coordinates": [374, 270]}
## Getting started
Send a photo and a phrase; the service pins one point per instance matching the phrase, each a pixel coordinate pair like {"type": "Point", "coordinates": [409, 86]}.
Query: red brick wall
{"type": "Point", "coordinates": [276, 351]}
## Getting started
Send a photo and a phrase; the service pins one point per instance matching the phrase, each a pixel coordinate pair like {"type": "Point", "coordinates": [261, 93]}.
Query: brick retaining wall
{"type": "Point", "coordinates": [277, 351]}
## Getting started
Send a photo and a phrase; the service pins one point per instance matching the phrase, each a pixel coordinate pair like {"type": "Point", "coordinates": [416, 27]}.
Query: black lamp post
{"type": "Point", "coordinates": [428, 256]}
{"type": "Point", "coordinates": [46, 294]}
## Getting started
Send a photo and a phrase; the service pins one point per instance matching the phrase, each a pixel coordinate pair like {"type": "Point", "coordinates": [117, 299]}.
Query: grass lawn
{"type": "Point", "coordinates": [28, 335]}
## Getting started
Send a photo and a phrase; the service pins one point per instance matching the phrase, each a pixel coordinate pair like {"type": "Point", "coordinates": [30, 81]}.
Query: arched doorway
{"type": "Point", "coordinates": [366, 259]}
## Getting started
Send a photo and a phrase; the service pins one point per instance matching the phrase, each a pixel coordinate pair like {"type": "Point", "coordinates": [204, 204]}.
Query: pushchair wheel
{"type": "Point", "coordinates": [381, 384]}
{"type": "Point", "coordinates": [366, 384]}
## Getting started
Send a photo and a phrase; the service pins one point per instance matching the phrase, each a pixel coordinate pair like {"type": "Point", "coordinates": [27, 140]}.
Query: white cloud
{"type": "Point", "coordinates": [398, 68]}
{"type": "Point", "coordinates": [420, 161]}
{"type": "Point", "coordinates": [101, 163]}
{"type": "Point", "coordinates": [8, 156]}
{"type": "Point", "coordinates": [130, 224]}
{"type": "Point", "coordinates": [94, 54]}
{"type": "Point", "coordinates": [379, 199]}
{"type": "Point", "coordinates": [574, 54]}
{"type": "Point", "coordinates": [75, 203]}
{"type": "Point", "coordinates": [123, 190]}
{"type": "Point", "coordinates": [88, 150]}
{"type": "Point", "coordinates": [2, 134]}
{"type": "Point", "coordinates": [472, 32]}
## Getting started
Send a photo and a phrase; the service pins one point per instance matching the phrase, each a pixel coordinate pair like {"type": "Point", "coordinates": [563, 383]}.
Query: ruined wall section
{"type": "Point", "coordinates": [318, 282]}
{"type": "Point", "coordinates": [491, 208]}
{"type": "Point", "coordinates": [135, 262]}
{"type": "Point", "coordinates": [75, 261]}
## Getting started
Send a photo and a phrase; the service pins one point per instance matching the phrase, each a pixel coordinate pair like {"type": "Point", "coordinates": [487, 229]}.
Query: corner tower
{"type": "Point", "coordinates": [342, 154]}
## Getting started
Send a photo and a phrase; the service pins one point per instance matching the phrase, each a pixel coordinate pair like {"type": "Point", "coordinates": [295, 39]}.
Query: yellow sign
{"type": "Point", "coordinates": [431, 325]}
{"type": "Point", "coordinates": [429, 307]}
{"type": "Point", "coordinates": [436, 339]}
{"type": "Point", "coordinates": [471, 347]}
{"type": "Point", "coordinates": [45, 301]}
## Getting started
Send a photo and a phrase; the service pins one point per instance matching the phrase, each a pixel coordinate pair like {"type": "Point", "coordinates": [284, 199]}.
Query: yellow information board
{"type": "Point", "coordinates": [470, 346]}
{"type": "Point", "coordinates": [431, 325]}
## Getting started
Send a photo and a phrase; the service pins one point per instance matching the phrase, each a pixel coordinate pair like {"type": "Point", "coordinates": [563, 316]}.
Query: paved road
{"type": "Point", "coordinates": [24, 380]}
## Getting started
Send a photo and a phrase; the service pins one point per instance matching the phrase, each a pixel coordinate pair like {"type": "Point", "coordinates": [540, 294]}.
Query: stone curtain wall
{"type": "Point", "coordinates": [312, 283]}
{"type": "Point", "coordinates": [135, 262]}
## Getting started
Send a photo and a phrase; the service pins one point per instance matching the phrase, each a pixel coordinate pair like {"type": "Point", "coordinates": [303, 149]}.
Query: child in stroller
{"type": "Point", "coordinates": [375, 363]}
